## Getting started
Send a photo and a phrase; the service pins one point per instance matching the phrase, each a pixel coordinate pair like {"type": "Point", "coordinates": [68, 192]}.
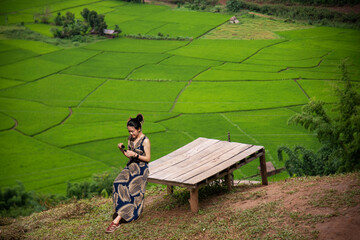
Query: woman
{"type": "Point", "coordinates": [130, 184]}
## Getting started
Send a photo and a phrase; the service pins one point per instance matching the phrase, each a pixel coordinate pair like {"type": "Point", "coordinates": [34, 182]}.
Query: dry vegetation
{"type": "Point", "coordinates": [297, 208]}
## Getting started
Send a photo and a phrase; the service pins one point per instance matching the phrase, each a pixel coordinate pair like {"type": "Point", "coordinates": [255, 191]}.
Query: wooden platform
{"type": "Point", "coordinates": [203, 161]}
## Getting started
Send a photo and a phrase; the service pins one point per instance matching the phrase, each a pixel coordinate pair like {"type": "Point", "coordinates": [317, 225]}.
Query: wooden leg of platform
{"type": "Point", "coordinates": [263, 170]}
{"type": "Point", "coordinates": [228, 181]}
{"type": "Point", "coordinates": [194, 200]}
{"type": "Point", "coordinates": [170, 189]}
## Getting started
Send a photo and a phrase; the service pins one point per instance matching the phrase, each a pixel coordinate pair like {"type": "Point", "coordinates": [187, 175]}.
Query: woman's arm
{"type": "Point", "coordinates": [147, 151]}
{"type": "Point", "coordinates": [122, 148]}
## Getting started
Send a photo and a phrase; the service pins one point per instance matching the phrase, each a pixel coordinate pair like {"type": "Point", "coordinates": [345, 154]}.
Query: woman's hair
{"type": "Point", "coordinates": [136, 122]}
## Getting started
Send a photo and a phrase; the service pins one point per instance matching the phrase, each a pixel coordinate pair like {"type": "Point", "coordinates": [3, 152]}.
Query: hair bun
{"type": "Point", "coordinates": [140, 118]}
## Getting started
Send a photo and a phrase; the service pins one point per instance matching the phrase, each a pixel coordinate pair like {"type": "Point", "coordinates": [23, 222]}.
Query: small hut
{"type": "Point", "coordinates": [110, 33]}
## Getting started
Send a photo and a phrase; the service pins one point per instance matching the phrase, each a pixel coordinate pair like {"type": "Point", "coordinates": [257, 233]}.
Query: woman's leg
{"type": "Point", "coordinates": [117, 219]}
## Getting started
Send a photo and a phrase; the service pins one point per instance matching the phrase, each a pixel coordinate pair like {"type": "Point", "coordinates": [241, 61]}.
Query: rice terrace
{"type": "Point", "coordinates": [64, 104]}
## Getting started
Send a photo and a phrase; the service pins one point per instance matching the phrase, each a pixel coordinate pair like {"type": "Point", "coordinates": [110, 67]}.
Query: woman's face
{"type": "Point", "coordinates": [133, 132]}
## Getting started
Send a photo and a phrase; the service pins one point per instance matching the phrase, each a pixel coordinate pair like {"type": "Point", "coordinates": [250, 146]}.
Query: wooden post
{"type": "Point", "coordinates": [170, 189]}
{"type": "Point", "coordinates": [263, 170]}
{"type": "Point", "coordinates": [194, 200]}
{"type": "Point", "coordinates": [228, 181]}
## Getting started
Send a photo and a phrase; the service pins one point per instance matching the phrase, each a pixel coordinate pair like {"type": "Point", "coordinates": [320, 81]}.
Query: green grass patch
{"type": "Point", "coordinates": [34, 46]}
{"type": "Point", "coordinates": [201, 97]}
{"type": "Point", "coordinates": [56, 90]}
{"type": "Point", "coordinates": [12, 56]}
{"type": "Point", "coordinates": [39, 165]}
{"type": "Point", "coordinates": [147, 96]}
{"type": "Point", "coordinates": [30, 69]}
{"type": "Point", "coordinates": [249, 67]}
{"type": "Point", "coordinates": [114, 65]}
{"type": "Point", "coordinates": [100, 115]}
{"type": "Point", "coordinates": [181, 29]}
{"type": "Point", "coordinates": [70, 56]}
{"type": "Point", "coordinates": [189, 61]}
{"type": "Point", "coordinates": [311, 62]}
{"type": "Point", "coordinates": [6, 83]}
{"type": "Point", "coordinates": [70, 134]}
{"type": "Point", "coordinates": [136, 45]}
{"type": "Point", "coordinates": [139, 26]}
{"type": "Point", "coordinates": [223, 50]}
{"type": "Point", "coordinates": [315, 74]}
{"type": "Point", "coordinates": [6, 122]}
{"type": "Point", "coordinates": [32, 117]}
{"type": "Point", "coordinates": [228, 75]}
{"type": "Point", "coordinates": [253, 28]}
{"type": "Point", "coordinates": [189, 17]}
{"type": "Point", "coordinates": [43, 29]}
{"type": "Point", "coordinates": [166, 72]}
{"type": "Point", "coordinates": [323, 90]}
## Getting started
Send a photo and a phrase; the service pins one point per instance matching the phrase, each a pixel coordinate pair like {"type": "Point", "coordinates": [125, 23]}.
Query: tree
{"type": "Point", "coordinates": [339, 136]}
{"type": "Point", "coordinates": [85, 14]}
{"type": "Point", "coordinates": [117, 29]}
{"type": "Point", "coordinates": [58, 19]}
{"type": "Point", "coordinates": [68, 19]}
{"type": "Point", "coordinates": [92, 18]}
{"type": "Point", "coordinates": [100, 24]}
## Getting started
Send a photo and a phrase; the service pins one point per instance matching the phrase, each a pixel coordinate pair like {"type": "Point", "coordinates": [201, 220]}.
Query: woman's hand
{"type": "Point", "coordinates": [130, 154]}
{"type": "Point", "coordinates": [121, 146]}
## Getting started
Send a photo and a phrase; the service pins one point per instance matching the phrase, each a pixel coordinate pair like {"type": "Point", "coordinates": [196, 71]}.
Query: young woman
{"type": "Point", "coordinates": [130, 184]}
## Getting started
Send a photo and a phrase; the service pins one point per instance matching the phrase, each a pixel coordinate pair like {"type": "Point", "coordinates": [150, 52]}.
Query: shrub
{"type": "Point", "coordinates": [234, 5]}
{"type": "Point", "coordinates": [339, 136]}
{"type": "Point", "coordinates": [100, 185]}
{"type": "Point", "coordinates": [16, 201]}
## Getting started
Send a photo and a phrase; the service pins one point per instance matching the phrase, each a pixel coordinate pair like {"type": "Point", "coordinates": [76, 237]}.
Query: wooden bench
{"type": "Point", "coordinates": [202, 161]}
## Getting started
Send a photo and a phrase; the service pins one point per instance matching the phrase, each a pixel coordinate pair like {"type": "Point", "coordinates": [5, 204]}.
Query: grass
{"type": "Point", "coordinates": [136, 45]}
{"type": "Point", "coordinates": [70, 56]}
{"type": "Point", "coordinates": [32, 69]}
{"type": "Point", "coordinates": [39, 165]}
{"type": "Point", "coordinates": [205, 87]}
{"type": "Point", "coordinates": [12, 56]}
{"type": "Point", "coordinates": [150, 96]}
{"type": "Point", "coordinates": [166, 72]}
{"type": "Point", "coordinates": [239, 96]}
{"type": "Point", "coordinates": [56, 90]}
{"type": "Point", "coordinates": [223, 50]}
{"type": "Point", "coordinates": [223, 215]}
{"type": "Point", "coordinates": [114, 65]}
{"type": "Point", "coordinates": [32, 117]}
{"type": "Point", "coordinates": [252, 27]}
{"type": "Point", "coordinates": [71, 134]}
{"type": "Point", "coordinates": [247, 74]}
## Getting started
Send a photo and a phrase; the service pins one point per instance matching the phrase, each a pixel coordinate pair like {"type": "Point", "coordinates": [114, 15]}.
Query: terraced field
{"type": "Point", "coordinates": [63, 111]}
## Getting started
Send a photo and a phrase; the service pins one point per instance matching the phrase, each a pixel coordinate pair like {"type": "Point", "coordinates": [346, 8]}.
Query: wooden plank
{"type": "Point", "coordinates": [194, 161]}
{"type": "Point", "coordinates": [221, 157]}
{"type": "Point", "coordinates": [183, 157]}
{"type": "Point", "coordinates": [200, 160]}
{"type": "Point", "coordinates": [178, 151]}
{"type": "Point", "coordinates": [221, 166]}
{"type": "Point", "coordinates": [164, 182]}
{"type": "Point", "coordinates": [229, 169]}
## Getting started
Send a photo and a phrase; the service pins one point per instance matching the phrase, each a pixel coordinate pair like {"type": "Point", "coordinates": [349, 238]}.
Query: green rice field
{"type": "Point", "coordinates": [64, 109]}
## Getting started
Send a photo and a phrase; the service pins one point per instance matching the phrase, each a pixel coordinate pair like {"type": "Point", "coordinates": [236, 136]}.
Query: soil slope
{"type": "Point", "coordinates": [298, 208]}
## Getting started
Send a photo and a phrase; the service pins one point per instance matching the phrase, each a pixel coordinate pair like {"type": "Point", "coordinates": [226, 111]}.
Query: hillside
{"type": "Point", "coordinates": [297, 208]}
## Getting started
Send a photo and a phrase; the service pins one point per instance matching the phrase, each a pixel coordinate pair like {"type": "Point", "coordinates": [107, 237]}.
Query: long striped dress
{"type": "Point", "coordinates": [130, 185]}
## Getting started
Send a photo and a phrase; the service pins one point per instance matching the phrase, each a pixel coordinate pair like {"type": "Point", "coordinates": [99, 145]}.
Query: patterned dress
{"type": "Point", "coordinates": [130, 185]}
